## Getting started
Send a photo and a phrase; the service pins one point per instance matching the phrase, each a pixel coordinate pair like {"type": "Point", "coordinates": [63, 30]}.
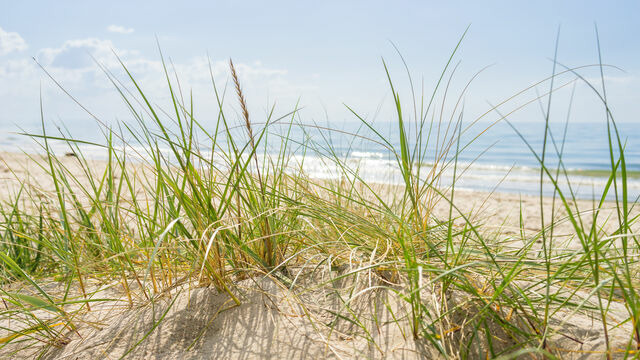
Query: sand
{"type": "Point", "coordinates": [500, 211]}
{"type": "Point", "coordinates": [277, 322]}
{"type": "Point", "coordinates": [274, 322]}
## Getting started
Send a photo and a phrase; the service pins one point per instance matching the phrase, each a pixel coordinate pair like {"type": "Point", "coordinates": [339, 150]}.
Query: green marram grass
{"type": "Point", "coordinates": [173, 213]}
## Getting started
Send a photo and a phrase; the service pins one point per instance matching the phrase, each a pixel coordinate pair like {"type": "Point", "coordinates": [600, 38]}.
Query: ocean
{"type": "Point", "coordinates": [497, 160]}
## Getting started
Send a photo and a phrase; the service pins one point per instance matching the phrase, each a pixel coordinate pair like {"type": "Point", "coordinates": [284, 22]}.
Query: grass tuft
{"type": "Point", "coordinates": [175, 204]}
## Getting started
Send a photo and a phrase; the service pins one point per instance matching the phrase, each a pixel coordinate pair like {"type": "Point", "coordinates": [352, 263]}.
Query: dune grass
{"type": "Point", "coordinates": [178, 204]}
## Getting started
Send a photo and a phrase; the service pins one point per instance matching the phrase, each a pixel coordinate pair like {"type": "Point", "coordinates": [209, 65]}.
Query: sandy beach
{"type": "Point", "coordinates": [275, 319]}
{"type": "Point", "coordinates": [505, 213]}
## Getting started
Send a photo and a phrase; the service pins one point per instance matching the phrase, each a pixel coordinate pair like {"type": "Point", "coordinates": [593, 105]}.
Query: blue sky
{"type": "Point", "coordinates": [324, 53]}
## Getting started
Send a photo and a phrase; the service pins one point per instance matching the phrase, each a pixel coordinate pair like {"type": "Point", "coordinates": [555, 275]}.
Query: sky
{"type": "Point", "coordinates": [321, 55]}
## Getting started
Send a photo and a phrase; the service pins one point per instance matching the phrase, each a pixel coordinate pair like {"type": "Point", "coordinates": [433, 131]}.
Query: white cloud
{"type": "Point", "coordinates": [10, 42]}
{"type": "Point", "coordinates": [17, 69]}
{"type": "Point", "coordinates": [73, 65]}
{"type": "Point", "coordinates": [75, 61]}
{"type": "Point", "coordinates": [77, 54]}
{"type": "Point", "coordinates": [119, 29]}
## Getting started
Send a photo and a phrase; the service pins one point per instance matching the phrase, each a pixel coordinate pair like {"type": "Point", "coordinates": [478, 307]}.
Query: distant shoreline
{"type": "Point", "coordinates": [503, 208]}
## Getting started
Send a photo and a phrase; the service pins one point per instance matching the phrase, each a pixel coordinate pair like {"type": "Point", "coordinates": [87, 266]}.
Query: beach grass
{"type": "Point", "coordinates": [174, 205]}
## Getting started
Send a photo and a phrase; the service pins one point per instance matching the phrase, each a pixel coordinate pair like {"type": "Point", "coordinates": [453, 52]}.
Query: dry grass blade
{"type": "Point", "coordinates": [268, 245]}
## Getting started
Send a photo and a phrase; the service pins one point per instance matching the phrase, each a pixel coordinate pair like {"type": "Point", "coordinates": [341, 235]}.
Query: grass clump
{"type": "Point", "coordinates": [175, 205]}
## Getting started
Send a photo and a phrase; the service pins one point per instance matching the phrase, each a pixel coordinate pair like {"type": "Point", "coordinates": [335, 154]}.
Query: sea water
{"type": "Point", "coordinates": [488, 157]}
